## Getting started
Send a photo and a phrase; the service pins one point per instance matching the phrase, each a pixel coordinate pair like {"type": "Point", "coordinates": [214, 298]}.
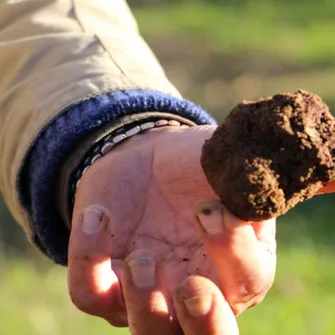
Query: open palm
{"type": "Point", "coordinates": [153, 193]}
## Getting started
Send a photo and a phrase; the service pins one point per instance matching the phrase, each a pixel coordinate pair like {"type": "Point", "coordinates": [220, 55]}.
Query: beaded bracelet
{"type": "Point", "coordinates": [107, 143]}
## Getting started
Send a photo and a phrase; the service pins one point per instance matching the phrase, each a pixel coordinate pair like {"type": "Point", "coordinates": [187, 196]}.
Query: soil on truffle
{"type": "Point", "coordinates": [271, 154]}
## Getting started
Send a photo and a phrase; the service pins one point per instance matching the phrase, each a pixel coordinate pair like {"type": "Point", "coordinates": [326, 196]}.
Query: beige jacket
{"type": "Point", "coordinates": [54, 53]}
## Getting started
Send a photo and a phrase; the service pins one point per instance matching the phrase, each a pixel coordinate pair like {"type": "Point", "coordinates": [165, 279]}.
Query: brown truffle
{"type": "Point", "coordinates": [271, 154]}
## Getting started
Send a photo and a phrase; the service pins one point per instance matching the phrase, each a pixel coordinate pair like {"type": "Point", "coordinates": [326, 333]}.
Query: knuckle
{"type": "Point", "coordinates": [81, 300]}
{"type": "Point", "coordinates": [118, 320]}
{"type": "Point", "coordinates": [251, 291]}
{"type": "Point", "coordinates": [89, 304]}
{"type": "Point", "coordinates": [257, 299]}
{"type": "Point", "coordinates": [260, 287]}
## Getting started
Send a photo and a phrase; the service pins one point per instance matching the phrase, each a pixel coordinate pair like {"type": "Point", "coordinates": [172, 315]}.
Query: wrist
{"type": "Point", "coordinates": [145, 138]}
{"type": "Point", "coordinates": [132, 131]}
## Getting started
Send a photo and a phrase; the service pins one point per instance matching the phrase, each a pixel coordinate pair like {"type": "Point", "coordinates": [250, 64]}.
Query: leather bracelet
{"type": "Point", "coordinates": [107, 143]}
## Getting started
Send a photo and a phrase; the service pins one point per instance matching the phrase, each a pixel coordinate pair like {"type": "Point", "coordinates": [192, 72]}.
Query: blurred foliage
{"type": "Point", "coordinates": [220, 52]}
{"type": "Point", "coordinates": [34, 299]}
{"type": "Point", "coordinates": [217, 52]}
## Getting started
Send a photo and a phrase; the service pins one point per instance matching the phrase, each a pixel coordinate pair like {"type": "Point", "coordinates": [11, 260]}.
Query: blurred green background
{"type": "Point", "coordinates": [216, 53]}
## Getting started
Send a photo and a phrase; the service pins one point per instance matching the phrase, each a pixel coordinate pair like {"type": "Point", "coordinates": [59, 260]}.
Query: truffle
{"type": "Point", "coordinates": [271, 154]}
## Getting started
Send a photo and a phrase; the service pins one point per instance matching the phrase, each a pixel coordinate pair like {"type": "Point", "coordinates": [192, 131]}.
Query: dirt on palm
{"type": "Point", "coordinates": [271, 154]}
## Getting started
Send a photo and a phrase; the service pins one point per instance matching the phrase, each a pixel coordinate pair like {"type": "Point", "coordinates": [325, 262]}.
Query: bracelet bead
{"type": "Point", "coordinates": [107, 143]}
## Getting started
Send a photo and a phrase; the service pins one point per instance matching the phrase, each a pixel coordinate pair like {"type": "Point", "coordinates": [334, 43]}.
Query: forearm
{"type": "Point", "coordinates": [65, 137]}
{"type": "Point", "coordinates": [54, 54]}
{"type": "Point", "coordinates": [55, 58]}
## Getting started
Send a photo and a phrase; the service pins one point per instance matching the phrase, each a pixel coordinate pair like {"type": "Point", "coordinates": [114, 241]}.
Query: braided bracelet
{"type": "Point", "coordinates": [107, 143]}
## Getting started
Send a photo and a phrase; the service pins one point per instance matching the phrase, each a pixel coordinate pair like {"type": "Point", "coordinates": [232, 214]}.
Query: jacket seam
{"type": "Point", "coordinates": [81, 25]}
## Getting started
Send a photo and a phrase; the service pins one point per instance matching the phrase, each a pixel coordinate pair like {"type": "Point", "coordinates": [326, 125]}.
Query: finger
{"type": "Point", "coordinates": [92, 277]}
{"type": "Point", "coordinates": [245, 265]}
{"type": "Point", "coordinates": [144, 294]}
{"type": "Point", "coordinates": [202, 309]}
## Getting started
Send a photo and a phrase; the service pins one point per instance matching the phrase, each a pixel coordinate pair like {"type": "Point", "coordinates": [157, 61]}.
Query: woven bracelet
{"type": "Point", "coordinates": [107, 143]}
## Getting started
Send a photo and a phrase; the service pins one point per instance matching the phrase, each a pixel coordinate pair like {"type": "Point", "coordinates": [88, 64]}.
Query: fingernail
{"type": "Point", "coordinates": [197, 300]}
{"type": "Point", "coordinates": [93, 219]}
{"type": "Point", "coordinates": [198, 306]}
{"type": "Point", "coordinates": [211, 220]}
{"type": "Point", "coordinates": [143, 271]}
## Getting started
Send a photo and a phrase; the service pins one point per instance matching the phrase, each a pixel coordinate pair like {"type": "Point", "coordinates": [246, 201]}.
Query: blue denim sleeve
{"type": "Point", "coordinates": [39, 177]}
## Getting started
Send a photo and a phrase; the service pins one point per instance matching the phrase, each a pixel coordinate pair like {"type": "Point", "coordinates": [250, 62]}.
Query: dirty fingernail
{"type": "Point", "coordinates": [211, 220]}
{"type": "Point", "coordinates": [143, 271]}
{"type": "Point", "coordinates": [198, 306]}
{"type": "Point", "coordinates": [93, 218]}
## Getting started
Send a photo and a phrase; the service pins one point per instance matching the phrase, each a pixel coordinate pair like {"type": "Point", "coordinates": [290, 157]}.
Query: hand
{"type": "Point", "coordinates": [200, 306]}
{"type": "Point", "coordinates": [148, 193]}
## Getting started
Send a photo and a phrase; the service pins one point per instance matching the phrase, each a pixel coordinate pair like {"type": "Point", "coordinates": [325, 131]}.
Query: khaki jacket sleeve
{"type": "Point", "coordinates": [54, 53]}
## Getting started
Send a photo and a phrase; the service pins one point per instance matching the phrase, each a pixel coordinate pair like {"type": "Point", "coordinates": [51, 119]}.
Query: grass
{"type": "Point", "coordinates": [302, 298]}
{"type": "Point", "coordinates": [261, 47]}
{"type": "Point", "coordinates": [295, 31]}
{"type": "Point", "coordinates": [35, 301]}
